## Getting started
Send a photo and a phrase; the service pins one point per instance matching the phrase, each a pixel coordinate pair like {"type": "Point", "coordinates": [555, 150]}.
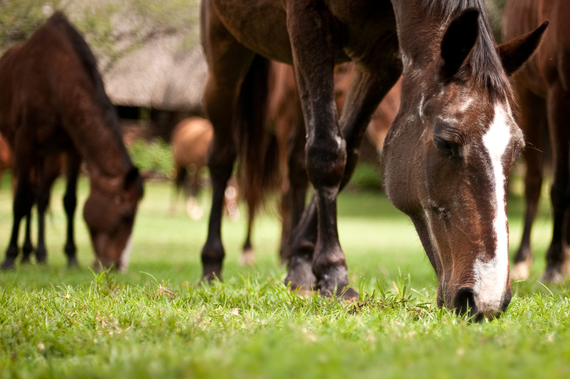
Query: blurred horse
{"type": "Point", "coordinates": [543, 91]}
{"type": "Point", "coordinates": [441, 164]}
{"type": "Point", "coordinates": [52, 100]}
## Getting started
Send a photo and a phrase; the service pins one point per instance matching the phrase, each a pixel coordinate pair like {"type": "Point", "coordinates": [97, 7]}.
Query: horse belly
{"type": "Point", "coordinates": [259, 25]}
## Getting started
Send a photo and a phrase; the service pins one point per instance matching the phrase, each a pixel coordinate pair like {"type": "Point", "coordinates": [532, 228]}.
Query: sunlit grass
{"type": "Point", "coordinates": [156, 320]}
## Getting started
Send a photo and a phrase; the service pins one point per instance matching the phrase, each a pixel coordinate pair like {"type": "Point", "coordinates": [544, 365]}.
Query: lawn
{"type": "Point", "coordinates": [157, 320]}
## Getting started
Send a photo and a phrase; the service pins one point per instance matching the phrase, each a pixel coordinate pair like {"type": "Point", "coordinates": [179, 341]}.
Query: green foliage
{"type": "Point", "coordinates": [152, 156]}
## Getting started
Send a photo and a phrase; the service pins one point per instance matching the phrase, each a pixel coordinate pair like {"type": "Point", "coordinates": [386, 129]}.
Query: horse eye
{"type": "Point", "coordinates": [447, 147]}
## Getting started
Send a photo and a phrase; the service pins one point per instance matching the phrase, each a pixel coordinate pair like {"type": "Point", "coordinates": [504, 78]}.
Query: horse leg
{"type": "Point", "coordinates": [178, 183]}
{"type": "Point", "coordinates": [293, 201]}
{"type": "Point", "coordinates": [70, 204]}
{"type": "Point", "coordinates": [532, 122]}
{"type": "Point", "coordinates": [50, 172]}
{"type": "Point", "coordinates": [228, 62]}
{"type": "Point", "coordinates": [22, 206]}
{"type": "Point", "coordinates": [191, 191]}
{"type": "Point", "coordinates": [28, 247]}
{"type": "Point", "coordinates": [366, 92]}
{"type": "Point", "coordinates": [247, 257]}
{"type": "Point", "coordinates": [558, 105]}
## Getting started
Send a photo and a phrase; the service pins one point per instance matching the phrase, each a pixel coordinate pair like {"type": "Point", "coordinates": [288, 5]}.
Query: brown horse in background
{"type": "Point", "coordinates": [543, 91]}
{"type": "Point", "coordinates": [52, 100]}
{"type": "Point", "coordinates": [382, 118]}
{"type": "Point", "coordinates": [441, 166]}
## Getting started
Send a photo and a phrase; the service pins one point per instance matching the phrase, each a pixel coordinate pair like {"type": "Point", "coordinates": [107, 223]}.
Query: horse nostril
{"type": "Point", "coordinates": [465, 302]}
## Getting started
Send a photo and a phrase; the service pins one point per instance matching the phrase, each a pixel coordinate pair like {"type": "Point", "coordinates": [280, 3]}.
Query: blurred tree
{"type": "Point", "coordinates": [112, 28]}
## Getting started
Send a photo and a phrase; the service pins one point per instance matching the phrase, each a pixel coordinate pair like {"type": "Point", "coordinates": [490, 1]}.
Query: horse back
{"type": "Point", "coordinates": [551, 63]}
{"type": "Point", "coordinates": [261, 25]}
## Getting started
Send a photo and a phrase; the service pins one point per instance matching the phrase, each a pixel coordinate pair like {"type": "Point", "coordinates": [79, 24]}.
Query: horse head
{"type": "Point", "coordinates": [110, 213]}
{"type": "Point", "coordinates": [449, 153]}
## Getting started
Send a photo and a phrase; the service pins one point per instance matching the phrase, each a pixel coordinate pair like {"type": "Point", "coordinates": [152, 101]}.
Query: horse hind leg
{"type": "Point", "coordinates": [533, 124]}
{"type": "Point", "coordinates": [49, 173]}
{"type": "Point", "coordinates": [228, 62]}
{"type": "Point", "coordinates": [558, 119]}
{"type": "Point", "coordinates": [70, 204]}
{"type": "Point", "coordinates": [247, 257]}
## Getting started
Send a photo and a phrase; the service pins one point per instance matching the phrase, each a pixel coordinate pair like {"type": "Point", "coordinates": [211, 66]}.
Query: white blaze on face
{"type": "Point", "coordinates": [492, 276]}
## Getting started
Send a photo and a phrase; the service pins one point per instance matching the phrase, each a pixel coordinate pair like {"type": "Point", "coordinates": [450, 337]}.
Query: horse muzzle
{"type": "Point", "coordinates": [466, 302]}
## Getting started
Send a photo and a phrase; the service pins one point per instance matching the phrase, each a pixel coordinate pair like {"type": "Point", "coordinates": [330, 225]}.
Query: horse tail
{"type": "Point", "coordinates": [258, 155]}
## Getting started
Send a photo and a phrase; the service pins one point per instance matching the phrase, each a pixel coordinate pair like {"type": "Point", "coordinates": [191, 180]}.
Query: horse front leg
{"type": "Point", "coordinates": [369, 87]}
{"type": "Point", "coordinates": [313, 57]}
{"type": "Point", "coordinates": [28, 247]}
{"type": "Point", "coordinates": [22, 206]}
{"type": "Point", "coordinates": [70, 204]}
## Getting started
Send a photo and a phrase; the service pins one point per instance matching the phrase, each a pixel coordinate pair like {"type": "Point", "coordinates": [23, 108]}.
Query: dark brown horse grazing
{"type": "Point", "coordinates": [445, 157]}
{"type": "Point", "coordinates": [52, 100]}
{"type": "Point", "coordinates": [543, 91]}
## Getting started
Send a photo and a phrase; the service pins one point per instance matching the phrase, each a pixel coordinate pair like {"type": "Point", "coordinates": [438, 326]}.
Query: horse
{"type": "Point", "coordinates": [53, 101]}
{"type": "Point", "coordinates": [190, 140]}
{"type": "Point", "coordinates": [542, 88]}
{"type": "Point", "coordinates": [441, 163]}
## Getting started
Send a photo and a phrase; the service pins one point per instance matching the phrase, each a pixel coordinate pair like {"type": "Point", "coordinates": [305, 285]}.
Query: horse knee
{"type": "Point", "coordinates": [326, 161]}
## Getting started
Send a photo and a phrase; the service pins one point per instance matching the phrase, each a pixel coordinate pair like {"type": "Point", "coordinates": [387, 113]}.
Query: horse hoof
{"type": "Point", "coordinates": [25, 261]}
{"type": "Point", "coordinates": [72, 263]}
{"type": "Point", "coordinates": [300, 274]}
{"type": "Point", "coordinates": [521, 270]}
{"type": "Point", "coordinates": [349, 295]}
{"type": "Point", "coordinates": [209, 275]}
{"type": "Point", "coordinates": [553, 275]}
{"type": "Point", "coordinates": [247, 258]}
{"type": "Point", "coordinates": [8, 265]}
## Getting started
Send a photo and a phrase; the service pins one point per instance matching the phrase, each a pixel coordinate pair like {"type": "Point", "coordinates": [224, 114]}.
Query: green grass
{"type": "Point", "coordinates": [157, 321]}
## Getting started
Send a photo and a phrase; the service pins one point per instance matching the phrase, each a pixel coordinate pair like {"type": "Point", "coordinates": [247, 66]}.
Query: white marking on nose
{"type": "Point", "coordinates": [492, 275]}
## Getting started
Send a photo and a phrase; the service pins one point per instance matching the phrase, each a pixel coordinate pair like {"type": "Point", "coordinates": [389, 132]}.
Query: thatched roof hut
{"type": "Point", "coordinates": [159, 75]}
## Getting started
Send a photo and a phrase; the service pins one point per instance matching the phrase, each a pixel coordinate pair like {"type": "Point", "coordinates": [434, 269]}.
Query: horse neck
{"type": "Point", "coordinates": [103, 151]}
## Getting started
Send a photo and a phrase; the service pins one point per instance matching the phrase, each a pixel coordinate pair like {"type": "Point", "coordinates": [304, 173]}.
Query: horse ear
{"type": "Point", "coordinates": [458, 41]}
{"type": "Point", "coordinates": [516, 51]}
